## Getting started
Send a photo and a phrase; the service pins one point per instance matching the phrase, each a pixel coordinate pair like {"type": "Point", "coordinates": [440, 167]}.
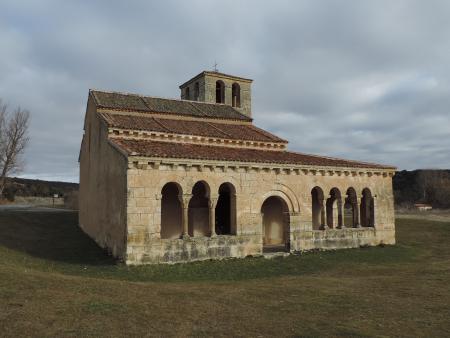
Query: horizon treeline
{"type": "Point", "coordinates": [430, 186]}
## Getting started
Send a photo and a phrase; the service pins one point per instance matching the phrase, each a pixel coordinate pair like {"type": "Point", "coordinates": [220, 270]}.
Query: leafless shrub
{"type": "Point", "coordinates": [13, 141]}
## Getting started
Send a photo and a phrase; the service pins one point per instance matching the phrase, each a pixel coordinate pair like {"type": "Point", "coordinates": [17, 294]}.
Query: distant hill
{"type": "Point", "coordinates": [416, 186]}
{"type": "Point", "coordinates": [422, 186]}
{"type": "Point", "coordinates": [37, 188]}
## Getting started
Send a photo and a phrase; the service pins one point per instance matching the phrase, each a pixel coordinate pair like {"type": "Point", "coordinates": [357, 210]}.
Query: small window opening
{"type": "Point", "coordinates": [196, 91]}
{"type": "Point", "coordinates": [220, 92]}
{"type": "Point", "coordinates": [236, 95]}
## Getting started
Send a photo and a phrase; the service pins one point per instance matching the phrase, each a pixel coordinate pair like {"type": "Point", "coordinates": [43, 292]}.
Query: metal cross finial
{"type": "Point", "coordinates": [215, 66]}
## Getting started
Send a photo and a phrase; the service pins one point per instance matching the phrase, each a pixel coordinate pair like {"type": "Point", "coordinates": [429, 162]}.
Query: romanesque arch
{"type": "Point", "coordinates": [351, 214]}
{"type": "Point", "coordinates": [220, 92]}
{"type": "Point", "coordinates": [225, 212]}
{"type": "Point", "coordinates": [198, 212]}
{"type": "Point", "coordinates": [236, 95]}
{"type": "Point", "coordinates": [367, 208]}
{"type": "Point", "coordinates": [276, 224]}
{"type": "Point", "coordinates": [282, 191]}
{"type": "Point", "coordinates": [318, 211]}
{"type": "Point", "coordinates": [171, 211]}
{"type": "Point", "coordinates": [334, 209]}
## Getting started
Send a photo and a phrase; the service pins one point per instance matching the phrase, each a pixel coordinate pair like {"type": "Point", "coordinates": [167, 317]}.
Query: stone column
{"type": "Point", "coordinates": [335, 212]}
{"type": "Point", "coordinates": [184, 199]}
{"type": "Point", "coordinates": [357, 221]}
{"type": "Point", "coordinates": [157, 222]}
{"type": "Point", "coordinates": [323, 221]}
{"type": "Point", "coordinates": [212, 215]}
{"type": "Point", "coordinates": [233, 215]}
{"type": "Point", "coordinates": [340, 213]}
{"type": "Point", "coordinates": [375, 223]}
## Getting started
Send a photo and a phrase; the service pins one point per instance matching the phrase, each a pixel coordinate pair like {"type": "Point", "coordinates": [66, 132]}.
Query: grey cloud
{"type": "Point", "coordinates": [365, 80]}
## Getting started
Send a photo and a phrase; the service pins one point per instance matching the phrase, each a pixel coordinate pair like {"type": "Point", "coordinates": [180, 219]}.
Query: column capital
{"type": "Point", "coordinates": [212, 201]}
{"type": "Point", "coordinates": [184, 199]}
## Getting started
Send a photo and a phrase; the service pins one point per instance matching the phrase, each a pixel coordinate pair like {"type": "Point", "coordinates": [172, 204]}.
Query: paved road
{"type": "Point", "coordinates": [30, 208]}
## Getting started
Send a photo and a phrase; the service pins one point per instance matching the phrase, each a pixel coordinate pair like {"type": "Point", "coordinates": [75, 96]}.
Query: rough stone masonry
{"type": "Point", "coordinates": [167, 181]}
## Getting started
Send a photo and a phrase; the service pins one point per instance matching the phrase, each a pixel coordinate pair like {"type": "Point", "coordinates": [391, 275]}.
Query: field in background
{"type": "Point", "coordinates": [54, 281]}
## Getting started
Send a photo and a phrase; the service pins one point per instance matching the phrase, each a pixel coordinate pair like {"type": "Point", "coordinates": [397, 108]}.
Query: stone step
{"type": "Point", "coordinates": [271, 255]}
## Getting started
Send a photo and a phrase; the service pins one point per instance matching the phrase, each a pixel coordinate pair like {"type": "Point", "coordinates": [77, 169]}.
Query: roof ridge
{"type": "Point", "coordinates": [163, 98]}
{"type": "Point", "coordinates": [219, 153]}
{"type": "Point", "coordinates": [163, 125]}
{"type": "Point", "coordinates": [145, 103]}
{"type": "Point", "coordinates": [193, 106]}
{"type": "Point", "coordinates": [218, 129]}
{"type": "Point", "coordinates": [94, 96]}
{"type": "Point", "coordinates": [216, 104]}
{"type": "Point", "coordinates": [142, 97]}
{"type": "Point", "coordinates": [107, 117]}
{"type": "Point", "coordinates": [268, 134]}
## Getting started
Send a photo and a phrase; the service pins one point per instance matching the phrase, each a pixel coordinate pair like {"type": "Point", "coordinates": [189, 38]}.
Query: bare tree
{"type": "Point", "coordinates": [13, 140]}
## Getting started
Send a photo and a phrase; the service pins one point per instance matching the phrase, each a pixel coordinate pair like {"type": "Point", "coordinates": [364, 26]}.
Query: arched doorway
{"type": "Point", "coordinates": [318, 212]}
{"type": "Point", "coordinates": [171, 211]}
{"type": "Point", "coordinates": [275, 217]}
{"type": "Point", "coordinates": [367, 207]}
{"type": "Point", "coordinates": [225, 222]}
{"type": "Point", "coordinates": [198, 213]}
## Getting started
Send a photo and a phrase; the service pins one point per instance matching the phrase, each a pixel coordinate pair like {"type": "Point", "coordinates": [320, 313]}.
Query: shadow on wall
{"type": "Point", "coordinates": [50, 235]}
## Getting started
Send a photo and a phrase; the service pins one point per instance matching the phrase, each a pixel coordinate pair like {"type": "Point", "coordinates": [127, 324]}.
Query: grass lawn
{"type": "Point", "coordinates": [54, 281]}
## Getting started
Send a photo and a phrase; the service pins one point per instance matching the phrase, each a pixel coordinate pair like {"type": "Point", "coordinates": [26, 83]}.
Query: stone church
{"type": "Point", "coordinates": [179, 180]}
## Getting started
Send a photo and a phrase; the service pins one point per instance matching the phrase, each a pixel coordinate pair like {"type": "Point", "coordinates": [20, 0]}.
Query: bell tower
{"type": "Point", "coordinates": [219, 88]}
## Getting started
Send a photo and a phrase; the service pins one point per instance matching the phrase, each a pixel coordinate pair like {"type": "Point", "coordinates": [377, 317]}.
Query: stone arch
{"type": "Point", "coordinates": [220, 91]}
{"type": "Point", "coordinates": [351, 212]}
{"type": "Point", "coordinates": [275, 224]}
{"type": "Point", "coordinates": [236, 95]}
{"type": "Point", "coordinates": [225, 211]}
{"type": "Point", "coordinates": [334, 209]}
{"type": "Point", "coordinates": [367, 208]}
{"type": "Point", "coordinates": [171, 211]}
{"type": "Point", "coordinates": [318, 211]}
{"type": "Point", "coordinates": [198, 210]}
{"type": "Point", "coordinates": [283, 192]}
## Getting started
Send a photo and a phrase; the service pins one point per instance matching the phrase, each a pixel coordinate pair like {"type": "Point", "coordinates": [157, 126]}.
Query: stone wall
{"type": "Point", "coordinates": [253, 186]}
{"type": "Point", "coordinates": [207, 91]}
{"type": "Point", "coordinates": [246, 95]}
{"type": "Point", "coordinates": [103, 187]}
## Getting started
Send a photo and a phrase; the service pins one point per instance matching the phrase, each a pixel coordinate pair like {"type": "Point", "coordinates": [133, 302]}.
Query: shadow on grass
{"type": "Point", "coordinates": [55, 238]}
{"type": "Point", "coordinates": [50, 235]}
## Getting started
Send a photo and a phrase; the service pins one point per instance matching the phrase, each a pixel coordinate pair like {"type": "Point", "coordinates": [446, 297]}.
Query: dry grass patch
{"type": "Point", "coordinates": [56, 282]}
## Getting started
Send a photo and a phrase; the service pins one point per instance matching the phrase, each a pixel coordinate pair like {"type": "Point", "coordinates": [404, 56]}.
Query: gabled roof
{"type": "Point", "coordinates": [147, 104]}
{"type": "Point", "coordinates": [157, 149]}
{"type": "Point", "coordinates": [215, 74]}
{"type": "Point", "coordinates": [247, 132]}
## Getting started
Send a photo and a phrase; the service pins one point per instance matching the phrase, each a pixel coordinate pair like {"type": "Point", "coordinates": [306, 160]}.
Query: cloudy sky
{"type": "Point", "coordinates": [365, 80]}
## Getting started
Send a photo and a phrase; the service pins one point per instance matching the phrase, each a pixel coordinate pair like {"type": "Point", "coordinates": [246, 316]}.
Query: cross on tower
{"type": "Point", "coordinates": [215, 67]}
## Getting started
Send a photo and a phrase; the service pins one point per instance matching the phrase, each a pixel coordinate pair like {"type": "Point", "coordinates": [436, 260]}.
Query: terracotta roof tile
{"type": "Point", "coordinates": [245, 132]}
{"type": "Point", "coordinates": [203, 152]}
{"type": "Point", "coordinates": [127, 102]}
